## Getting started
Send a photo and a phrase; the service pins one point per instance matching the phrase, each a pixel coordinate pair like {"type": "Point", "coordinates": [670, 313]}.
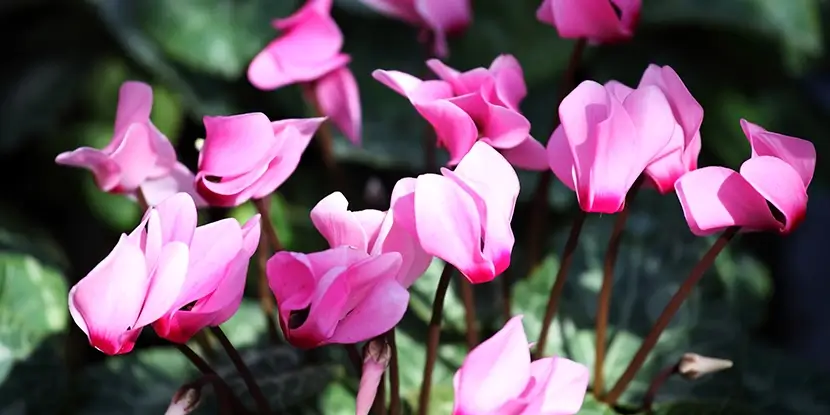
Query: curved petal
{"type": "Point", "coordinates": [400, 82]}
{"type": "Point", "coordinates": [229, 191]}
{"type": "Point", "coordinates": [293, 137]}
{"type": "Point", "coordinates": [715, 198]}
{"type": "Point", "coordinates": [326, 310]}
{"type": "Point", "coordinates": [798, 153]}
{"type": "Point", "coordinates": [339, 99]}
{"type": "Point", "coordinates": [592, 19]}
{"type": "Point", "coordinates": [135, 156]}
{"type": "Point", "coordinates": [560, 386]}
{"type": "Point", "coordinates": [618, 89]}
{"type": "Point", "coordinates": [669, 165]}
{"type": "Point", "coordinates": [780, 184]}
{"type": "Point", "coordinates": [403, 10]}
{"type": "Point", "coordinates": [178, 218]}
{"type": "Point", "coordinates": [106, 303]}
{"type": "Point", "coordinates": [378, 313]}
{"type": "Point", "coordinates": [687, 111]}
{"type": "Point", "coordinates": [504, 128]}
{"type": "Point", "coordinates": [528, 155]}
{"type": "Point", "coordinates": [212, 249]}
{"type": "Point", "coordinates": [454, 127]}
{"type": "Point", "coordinates": [451, 230]}
{"type": "Point", "coordinates": [291, 280]}
{"type": "Point", "coordinates": [105, 170]}
{"type": "Point", "coordinates": [180, 179]}
{"type": "Point", "coordinates": [560, 159]}
{"type": "Point", "coordinates": [339, 226]}
{"type": "Point", "coordinates": [165, 284]}
{"type": "Point", "coordinates": [495, 372]}
{"type": "Point", "coordinates": [444, 16]}
{"type": "Point", "coordinates": [135, 103]}
{"type": "Point", "coordinates": [236, 144]}
{"type": "Point", "coordinates": [510, 81]}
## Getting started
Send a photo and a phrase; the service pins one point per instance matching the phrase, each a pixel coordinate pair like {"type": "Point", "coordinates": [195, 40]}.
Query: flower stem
{"type": "Point", "coordinates": [506, 301]}
{"type": "Point", "coordinates": [656, 383]}
{"type": "Point", "coordinates": [434, 337]}
{"type": "Point", "coordinates": [268, 238]}
{"type": "Point", "coordinates": [559, 285]}
{"type": "Point", "coordinates": [668, 313]}
{"type": "Point", "coordinates": [394, 376]}
{"type": "Point", "coordinates": [469, 300]}
{"type": "Point", "coordinates": [537, 226]}
{"type": "Point", "coordinates": [355, 358]}
{"type": "Point", "coordinates": [244, 372]}
{"type": "Point", "coordinates": [206, 370]}
{"type": "Point", "coordinates": [604, 302]}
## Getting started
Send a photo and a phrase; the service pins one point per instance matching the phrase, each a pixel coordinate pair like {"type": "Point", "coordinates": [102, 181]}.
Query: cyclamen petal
{"type": "Point", "coordinates": [498, 377]}
{"type": "Point", "coordinates": [595, 20]}
{"type": "Point", "coordinates": [441, 17]}
{"type": "Point", "coordinates": [338, 98]}
{"type": "Point", "coordinates": [247, 156]}
{"type": "Point", "coordinates": [798, 153]}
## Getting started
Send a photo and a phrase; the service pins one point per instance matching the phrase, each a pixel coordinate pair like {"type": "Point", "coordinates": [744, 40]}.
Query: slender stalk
{"type": "Point", "coordinates": [394, 376]}
{"type": "Point", "coordinates": [244, 372]}
{"type": "Point", "coordinates": [468, 298]}
{"type": "Point", "coordinates": [656, 383]}
{"type": "Point", "coordinates": [559, 285]}
{"type": "Point", "coordinates": [355, 357]}
{"type": "Point", "coordinates": [668, 313]}
{"type": "Point", "coordinates": [434, 337]}
{"type": "Point", "coordinates": [379, 405]}
{"type": "Point", "coordinates": [206, 370]}
{"type": "Point", "coordinates": [604, 302]}
{"type": "Point", "coordinates": [268, 240]}
{"type": "Point", "coordinates": [142, 200]}
{"type": "Point", "coordinates": [537, 226]}
{"type": "Point", "coordinates": [203, 340]}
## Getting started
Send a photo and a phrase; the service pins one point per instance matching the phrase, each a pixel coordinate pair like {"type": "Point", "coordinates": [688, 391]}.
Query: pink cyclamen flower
{"type": "Point", "coordinates": [139, 155]}
{"type": "Point", "coordinates": [680, 155]}
{"type": "Point", "coordinates": [606, 139]}
{"type": "Point", "coordinates": [497, 377]}
{"type": "Point", "coordinates": [372, 231]}
{"type": "Point", "coordinates": [308, 52]}
{"type": "Point", "coordinates": [769, 193]}
{"type": "Point", "coordinates": [248, 156]}
{"type": "Point", "coordinates": [480, 104]}
{"type": "Point", "coordinates": [599, 21]}
{"type": "Point", "coordinates": [438, 17]}
{"type": "Point", "coordinates": [341, 295]}
{"type": "Point", "coordinates": [463, 216]}
{"type": "Point", "coordinates": [165, 264]}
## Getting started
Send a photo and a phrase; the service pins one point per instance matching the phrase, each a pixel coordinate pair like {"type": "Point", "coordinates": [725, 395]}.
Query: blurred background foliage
{"type": "Point", "coordinates": [65, 59]}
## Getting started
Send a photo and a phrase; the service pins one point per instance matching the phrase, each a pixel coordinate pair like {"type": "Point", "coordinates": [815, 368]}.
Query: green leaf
{"type": "Point", "coordinates": [337, 400]}
{"type": "Point", "coordinates": [218, 37]}
{"type": "Point", "coordinates": [657, 253]}
{"type": "Point", "coordinates": [591, 406]}
{"type": "Point", "coordinates": [412, 356]}
{"type": "Point", "coordinates": [423, 295]}
{"type": "Point", "coordinates": [33, 305]}
{"type": "Point", "coordinates": [247, 327]}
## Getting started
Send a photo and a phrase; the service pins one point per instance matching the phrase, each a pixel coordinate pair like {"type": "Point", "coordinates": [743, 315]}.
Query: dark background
{"type": "Point", "coordinates": [764, 305]}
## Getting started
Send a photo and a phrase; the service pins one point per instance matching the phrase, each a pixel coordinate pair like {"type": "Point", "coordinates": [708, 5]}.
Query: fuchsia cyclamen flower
{"type": "Point", "coordinates": [371, 231]}
{"type": "Point", "coordinates": [599, 21]}
{"type": "Point", "coordinates": [248, 156]}
{"type": "Point", "coordinates": [497, 377]}
{"type": "Point", "coordinates": [167, 272]}
{"type": "Point", "coordinates": [480, 104]}
{"type": "Point", "coordinates": [463, 216]}
{"type": "Point", "coordinates": [608, 136]}
{"type": "Point", "coordinates": [139, 155]}
{"type": "Point", "coordinates": [308, 51]}
{"type": "Point", "coordinates": [341, 295]}
{"type": "Point", "coordinates": [439, 17]}
{"type": "Point", "coordinates": [768, 193]}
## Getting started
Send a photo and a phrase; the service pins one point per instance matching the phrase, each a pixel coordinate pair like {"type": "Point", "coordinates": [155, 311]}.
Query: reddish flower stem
{"type": "Point", "coordinates": [244, 371]}
{"type": "Point", "coordinates": [394, 376]}
{"type": "Point", "coordinates": [268, 239]}
{"type": "Point", "coordinates": [668, 313]}
{"type": "Point", "coordinates": [205, 369]}
{"type": "Point", "coordinates": [604, 302]}
{"type": "Point", "coordinates": [468, 298]}
{"type": "Point", "coordinates": [539, 206]}
{"type": "Point", "coordinates": [559, 285]}
{"type": "Point", "coordinates": [656, 383]}
{"type": "Point", "coordinates": [434, 337]}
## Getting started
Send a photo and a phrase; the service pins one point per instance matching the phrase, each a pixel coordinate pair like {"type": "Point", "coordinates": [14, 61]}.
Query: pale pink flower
{"type": "Point", "coordinates": [607, 137]}
{"type": "Point", "coordinates": [376, 356]}
{"type": "Point", "coordinates": [372, 231]}
{"type": "Point", "coordinates": [480, 104]}
{"type": "Point", "coordinates": [463, 216]}
{"type": "Point", "coordinates": [438, 17]}
{"type": "Point", "coordinates": [769, 193]}
{"type": "Point", "coordinates": [341, 295]}
{"type": "Point", "coordinates": [308, 51]}
{"type": "Point", "coordinates": [139, 157]}
{"type": "Point", "coordinates": [165, 264]}
{"type": "Point", "coordinates": [599, 21]}
{"type": "Point", "coordinates": [498, 378]}
{"type": "Point", "coordinates": [248, 156]}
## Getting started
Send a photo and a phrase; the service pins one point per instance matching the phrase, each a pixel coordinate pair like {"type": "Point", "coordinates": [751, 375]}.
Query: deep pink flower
{"type": "Point", "coordinates": [139, 155]}
{"type": "Point", "coordinates": [463, 216]}
{"type": "Point", "coordinates": [341, 295]}
{"type": "Point", "coordinates": [247, 156]}
{"type": "Point", "coordinates": [600, 21]}
{"type": "Point", "coordinates": [439, 17]}
{"type": "Point", "coordinates": [680, 155]}
{"type": "Point", "coordinates": [464, 107]}
{"type": "Point", "coordinates": [371, 231]}
{"type": "Point", "coordinates": [768, 194]}
{"type": "Point", "coordinates": [308, 51]}
{"type": "Point", "coordinates": [497, 377]}
{"type": "Point", "coordinates": [165, 264]}
{"type": "Point", "coordinates": [607, 138]}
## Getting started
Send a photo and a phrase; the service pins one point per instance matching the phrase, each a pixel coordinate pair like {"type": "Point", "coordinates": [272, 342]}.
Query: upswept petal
{"type": "Point", "coordinates": [134, 156]}
{"type": "Point", "coordinates": [178, 218]}
{"type": "Point", "coordinates": [105, 170]}
{"type": "Point", "coordinates": [213, 247]}
{"type": "Point", "coordinates": [338, 225]}
{"type": "Point", "coordinates": [560, 159]}
{"type": "Point", "coordinates": [559, 388]}
{"type": "Point", "coordinates": [339, 99]}
{"type": "Point", "coordinates": [135, 103]}
{"type": "Point", "coordinates": [293, 137]}
{"type": "Point", "coordinates": [592, 19]}
{"type": "Point", "coordinates": [780, 184]}
{"type": "Point", "coordinates": [798, 153]}
{"type": "Point", "coordinates": [236, 144]}
{"type": "Point", "coordinates": [510, 81]}
{"type": "Point", "coordinates": [179, 180]}
{"type": "Point", "coordinates": [165, 283]}
{"type": "Point", "coordinates": [528, 155]}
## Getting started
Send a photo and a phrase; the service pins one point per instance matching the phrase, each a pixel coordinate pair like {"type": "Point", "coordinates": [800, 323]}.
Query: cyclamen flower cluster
{"type": "Point", "coordinates": [179, 278]}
